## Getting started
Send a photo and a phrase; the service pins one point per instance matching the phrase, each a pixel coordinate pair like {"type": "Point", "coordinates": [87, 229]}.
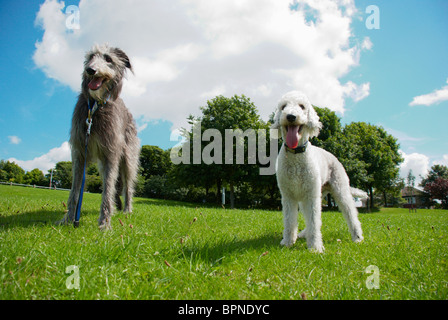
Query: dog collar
{"type": "Point", "coordinates": [299, 149]}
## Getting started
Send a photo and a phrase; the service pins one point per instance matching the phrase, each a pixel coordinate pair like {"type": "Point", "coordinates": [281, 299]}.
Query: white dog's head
{"type": "Point", "coordinates": [296, 118]}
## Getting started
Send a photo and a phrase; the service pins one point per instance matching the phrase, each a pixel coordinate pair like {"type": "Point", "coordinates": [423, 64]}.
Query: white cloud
{"type": "Point", "coordinates": [403, 136]}
{"type": "Point", "coordinates": [357, 92]}
{"type": "Point", "coordinates": [367, 44]}
{"type": "Point", "coordinates": [443, 161]}
{"type": "Point", "coordinates": [407, 142]}
{"type": "Point", "coordinates": [46, 161]}
{"type": "Point", "coordinates": [417, 162]}
{"type": "Point", "coordinates": [431, 98]}
{"type": "Point", "coordinates": [216, 91]}
{"type": "Point", "coordinates": [185, 50]}
{"type": "Point", "coordinates": [142, 127]}
{"type": "Point", "coordinates": [14, 139]}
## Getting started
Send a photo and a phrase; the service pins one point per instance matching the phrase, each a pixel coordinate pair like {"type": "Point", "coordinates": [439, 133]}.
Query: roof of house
{"type": "Point", "coordinates": [412, 192]}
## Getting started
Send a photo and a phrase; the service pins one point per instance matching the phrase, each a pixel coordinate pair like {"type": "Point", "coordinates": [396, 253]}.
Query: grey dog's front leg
{"type": "Point", "coordinates": [110, 175]}
{"type": "Point", "coordinates": [77, 171]}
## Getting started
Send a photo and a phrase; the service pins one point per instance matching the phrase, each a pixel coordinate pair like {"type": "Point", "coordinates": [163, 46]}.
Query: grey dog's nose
{"type": "Point", "coordinates": [291, 117]}
{"type": "Point", "coordinates": [90, 71]}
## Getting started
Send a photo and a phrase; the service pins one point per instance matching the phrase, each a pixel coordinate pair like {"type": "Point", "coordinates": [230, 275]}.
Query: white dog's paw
{"type": "Point", "coordinates": [317, 248]}
{"type": "Point", "coordinates": [315, 245]}
{"type": "Point", "coordinates": [287, 242]}
{"type": "Point", "coordinates": [302, 234]}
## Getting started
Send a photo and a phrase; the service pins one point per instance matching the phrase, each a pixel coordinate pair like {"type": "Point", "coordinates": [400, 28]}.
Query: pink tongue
{"type": "Point", "coordinates": [95, 83]}
{"type": "Point", "coordinates": [292, 137]}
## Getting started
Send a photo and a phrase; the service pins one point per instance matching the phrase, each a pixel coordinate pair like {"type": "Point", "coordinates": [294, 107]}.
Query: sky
{"type": "Point", "coordinates": [385, 65]}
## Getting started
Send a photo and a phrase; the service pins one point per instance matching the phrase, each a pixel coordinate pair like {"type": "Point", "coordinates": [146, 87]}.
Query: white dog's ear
{"type": "Point", "coordinates": [276, 123]}
{"type": "Point", "coordinates": [314, 125]}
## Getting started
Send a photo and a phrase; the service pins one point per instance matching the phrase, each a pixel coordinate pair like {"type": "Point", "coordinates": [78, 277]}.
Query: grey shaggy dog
{"type": "Point", "coordinates": [113, 140]}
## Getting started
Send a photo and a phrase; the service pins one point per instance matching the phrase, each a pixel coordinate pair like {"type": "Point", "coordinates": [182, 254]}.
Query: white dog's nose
{"type": "Point", "coordinates": [291, 117]}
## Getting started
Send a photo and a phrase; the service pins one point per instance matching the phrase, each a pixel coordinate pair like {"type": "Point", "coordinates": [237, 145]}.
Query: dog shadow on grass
{"type": "Point", "coordinates": [34, 218]}
{"type": "Point", "coordinates": [174, 203]}
{"type": "Point", "coordinates": [260, 245]}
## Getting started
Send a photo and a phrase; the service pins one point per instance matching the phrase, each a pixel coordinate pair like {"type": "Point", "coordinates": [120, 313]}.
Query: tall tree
{"type": "Point", "coordinates": [62, 175]}
{"type": "Point", "coordinates": [226, 120]}
{"type": "Point", "coordinates": [410, 179]}
{"type": "Point", "coordinates": [331, 129]}
{"type": "Point", "coordinates": [11, 172]}
{"type": "Point", "coordinates": [378, 150]}
{"type": "Point", "coordinates": [436, 183]}
{"type": "Point", "coordinates": [35, 177]}
{"type": "Point", "coordinates": [154, 161]}
{"type": "Point", "coordinates": [437, 171]}
{"type": "Point", "coordinates": [438, 189]}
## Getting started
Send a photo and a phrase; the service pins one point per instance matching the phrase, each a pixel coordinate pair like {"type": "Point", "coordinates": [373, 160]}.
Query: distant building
{"type": "Point", "coordinates": [415, 198]}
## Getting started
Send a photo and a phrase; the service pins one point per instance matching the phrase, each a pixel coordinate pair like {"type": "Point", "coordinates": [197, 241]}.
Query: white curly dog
{"type": "Point", "coordinates": [305, 172]}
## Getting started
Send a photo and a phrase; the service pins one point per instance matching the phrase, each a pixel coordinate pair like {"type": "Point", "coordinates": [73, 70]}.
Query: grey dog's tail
{"type": "Point", "coordinates": [357, 193]}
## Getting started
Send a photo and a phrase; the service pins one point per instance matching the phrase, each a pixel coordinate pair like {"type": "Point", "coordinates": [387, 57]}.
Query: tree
{"type": "Point", "coordinates": [378, 150]}
{"type": "Point", "coordinates": [435, 183]}
{"type": "Point", "coordinates": [410, 179]}
{"type": "Point", "coordinates": [438, 189]}
{"type": "Point", "coordinates": [11, 172]}
{"type": "Point", "coordinates": [62, 175]}
{"type": "Point", "coordinates": [331, 129]}
{"type": "Point", "coordinates": [35, 177]}
{"type": "Point", "coordinates": [154, 161]}
{"type": "Point", "coordinates": [437, 171]}
{"type": "Point", "coordinates": [237, 113]}
{"type": "Point", "coordinates": [93, 180]}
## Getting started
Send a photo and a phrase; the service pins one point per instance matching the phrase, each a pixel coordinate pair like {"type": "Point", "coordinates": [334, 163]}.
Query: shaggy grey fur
{"type": "Point", "coordinates": [113, 141]}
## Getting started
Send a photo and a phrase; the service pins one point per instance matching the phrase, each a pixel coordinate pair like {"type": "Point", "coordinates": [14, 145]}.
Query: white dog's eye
{"type": "Point", "coordinates": [283, 106]}
{"type": "Point", "coordinates": [302, 106]}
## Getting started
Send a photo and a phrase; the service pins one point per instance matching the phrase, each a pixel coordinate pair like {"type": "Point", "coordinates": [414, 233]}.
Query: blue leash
{"type": "Point", "coordinates": [89, 125]}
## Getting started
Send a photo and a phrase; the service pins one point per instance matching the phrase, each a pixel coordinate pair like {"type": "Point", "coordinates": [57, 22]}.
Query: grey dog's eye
{"type": "Point", "coordinates": [302, 106]}
{"type": "Point", "coordinates": [107, 58]}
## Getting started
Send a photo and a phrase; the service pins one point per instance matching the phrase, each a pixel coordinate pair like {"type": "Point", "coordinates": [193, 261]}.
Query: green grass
{"type": "Point", "coordinates": [173, 250]}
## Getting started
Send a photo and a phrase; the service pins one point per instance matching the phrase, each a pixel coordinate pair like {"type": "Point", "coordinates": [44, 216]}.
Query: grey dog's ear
{"type": "Point", "coordinates": [276, 123]}
{"type": "Point", "coordinates": [123, 57]}
{"type": "Point", "coordinates": [314, 125]}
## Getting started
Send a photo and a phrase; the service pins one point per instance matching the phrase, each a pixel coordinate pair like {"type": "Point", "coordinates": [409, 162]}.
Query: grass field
{"type": "Point", "coordinates": [173, 250]}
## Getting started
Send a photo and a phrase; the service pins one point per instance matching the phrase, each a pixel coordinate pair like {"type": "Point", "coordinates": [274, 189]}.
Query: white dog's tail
{"type": "Point", "coordinates": [357, 193]}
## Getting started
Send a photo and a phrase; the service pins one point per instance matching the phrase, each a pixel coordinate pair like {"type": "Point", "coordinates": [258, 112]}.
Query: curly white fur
{"type": "Point", "coordinates": [303, 177]}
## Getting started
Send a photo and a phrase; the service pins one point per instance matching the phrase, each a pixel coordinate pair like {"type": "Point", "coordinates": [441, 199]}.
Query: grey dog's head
{"type": "Point", "coordinates": [296, 118]}
{"type": "Point", "coordinates": [104, 68]}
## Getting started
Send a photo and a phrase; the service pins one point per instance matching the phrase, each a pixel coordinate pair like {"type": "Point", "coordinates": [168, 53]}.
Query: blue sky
{"type": "Point", "coordinates": [369, 75]}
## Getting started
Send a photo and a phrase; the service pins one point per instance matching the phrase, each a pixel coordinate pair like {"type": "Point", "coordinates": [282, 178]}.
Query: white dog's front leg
{"type": "Point", "coordinates": [312, 213]}
{"type": "Point", "coordinates": [290, 213]}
